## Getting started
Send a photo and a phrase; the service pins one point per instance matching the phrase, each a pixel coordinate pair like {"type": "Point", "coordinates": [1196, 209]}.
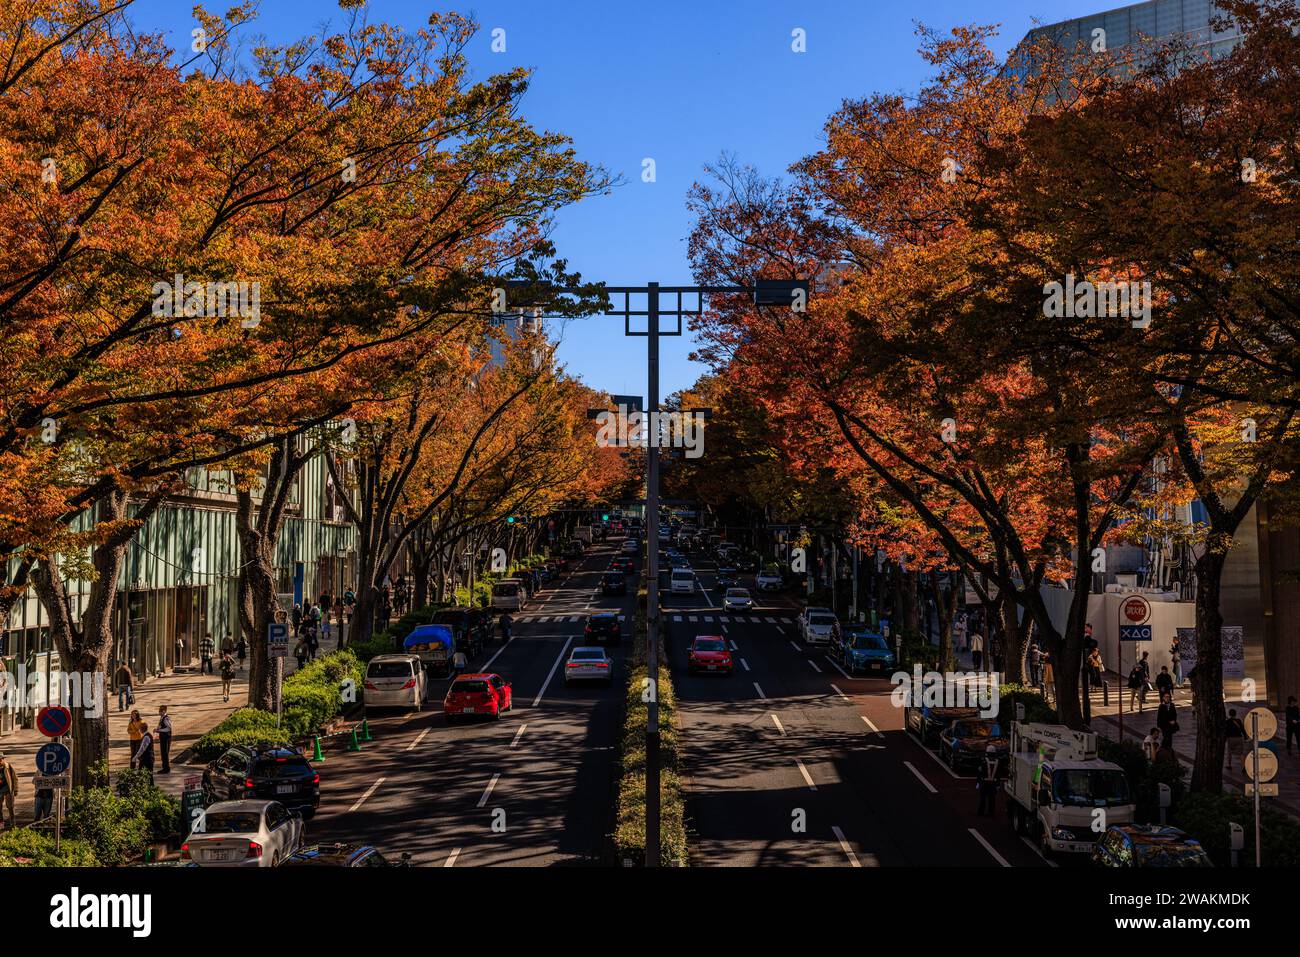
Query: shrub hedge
{"type": "Point", "coordinates": [119, 827]}
{"type": "Point", "coordinates": [27, 847]}
{"type": "Point", "coordinates": [1206, 818]}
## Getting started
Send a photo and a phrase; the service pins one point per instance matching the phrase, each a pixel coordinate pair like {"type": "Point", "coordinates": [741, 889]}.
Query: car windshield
{"type": "Point", "coordinates": [281, 767]}
{"type": "Point", "coordinates": [231, 822]}
{"type": "Point", "coordinates": [710, 644]}
{"type": "Point", "coordinates": [389, 669]}
{"type": "Point", "coordinates": [614, 579]}
{"type": "Point", "coordinates": [469, 687]}
{"type": "Point", "coordinates": [772, 571]}
{"type": "Point", "coordinates": [821, 621]}
{"type": "Point", "coordinates": [505, 591]}
{"type": "Point", "coordinates": [1089, 787]}
{"type": "Point", "coordinates": [870, 642]}
{"type": "Point", "coordinates": [682, 573]}
{"type": "Point", "coordinates": [737, 593]}
{"type": "Point", "coordinates": [1171, 854]}
{"type": "Point", "coordinates": [588, 656]}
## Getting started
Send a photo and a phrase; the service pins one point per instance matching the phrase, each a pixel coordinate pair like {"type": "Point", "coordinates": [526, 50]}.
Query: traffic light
{"type": "Point", "coordinates": [604, 517]}
{"type": "Point", "coordinates": [510, 519]}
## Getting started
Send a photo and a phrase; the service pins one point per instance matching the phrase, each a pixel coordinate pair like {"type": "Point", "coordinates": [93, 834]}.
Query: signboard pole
{"type": "Point", "coordinates": [1254, 734]}
{"type": "Point", "coordinates": [1123, 680]}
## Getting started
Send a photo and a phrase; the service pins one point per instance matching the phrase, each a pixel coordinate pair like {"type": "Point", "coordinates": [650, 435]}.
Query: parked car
{"type": "Point", "coordinates": [243, 834]}
{"type": "Point", "coordinates": [588, 664]}
{"type": "Point", "coordinates": [509, 594]}
{"type": "Point", "coordinates": [345, 855]}
{"type": "Point", "coordinates": [471, 627]}
{"type": "Point", "coordinates": [737, 599]}
{"type": "Point", "coordinates": [1148, 845]}
{"type": "Point", "coordinates": [395, 681]}
{"type": "Point", "coordinates": [928, 723]}
{"type": "Point", "coordinates": [603, 627]}
{"type": "Point", "coordinates": [818, 626]}
{"type": "Point", "coordinates": [613, 583]}
{"type": "Point", "coordinates": [769, 579]}
{"type": "Point", "coordinates": [709, 653]}
{"type": "Point", "coordinates": [270, 773]}
{"type": "Point", "coordinates": [574, 548]}
{"type": "Point", "coordinates": [435, 646]}
{"type": "Point", "coordinates": [964, 743]}
{"type": "Point", "coordinates": [859, 650]}
{"type": "Point", "coordinates": [478, 694]}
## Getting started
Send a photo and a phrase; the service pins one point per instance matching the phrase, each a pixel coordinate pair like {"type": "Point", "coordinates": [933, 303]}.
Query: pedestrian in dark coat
{"type": "Point", "coordinates": [986, 782]}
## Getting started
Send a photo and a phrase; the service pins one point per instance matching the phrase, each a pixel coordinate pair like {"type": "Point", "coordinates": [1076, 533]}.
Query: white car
{"type": "Point", "coordinates": [630, 546]}
{"type": "Point", "coordinates": [817, 625]}
{"type": "Point", "coordinates": [769, 579]}
{"type": "Point", "coordinates": [737, 599]}
{"type": "Point", "coordinates": [589, 664]}
{"type": "Point", "coordinates": [395, 681]}
{"type": "Point", "coordinates": [682, 581]}
{"type": "Point", "coordinates": [243, 834]}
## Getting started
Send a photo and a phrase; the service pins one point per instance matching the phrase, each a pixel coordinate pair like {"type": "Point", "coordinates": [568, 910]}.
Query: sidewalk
{"type": "Point", "coordinates": [194, 702]}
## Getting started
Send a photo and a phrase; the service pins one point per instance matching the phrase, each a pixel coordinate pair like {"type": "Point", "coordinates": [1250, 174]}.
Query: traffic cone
{"type": "Point", "coordinates": [365, 730]}
{"type": "Point", "coordinates": [355, 745]}
{"type": "Point", "coordinates": [318, 756]}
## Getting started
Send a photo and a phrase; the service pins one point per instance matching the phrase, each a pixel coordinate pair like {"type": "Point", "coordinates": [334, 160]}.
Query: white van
{"type": "Point", "coordinates": [682, 581]}
{"type": "Point", "coordinates": [394, 681]}
{"type": "Point", "coordinates": [508, 595]}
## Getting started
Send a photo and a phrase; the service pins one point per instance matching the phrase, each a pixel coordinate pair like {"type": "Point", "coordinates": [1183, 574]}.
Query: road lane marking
{"type": "Point", "coordinates": [744, 664]}
{"type": "Point", "coordinates": [804, 771]}
{"type": "Point", "coordinates": [734, 646]}
{"type": "Point", "coordinates": [780, 630]}
{"type": "Point", "coordinates": [762, 697]}
{"type": "Point", "coordinates": [845, 847]}
{"type": "Point", "coordinates": [920, 777]}
{"type": "Point", "coordinates": [551, 674]}
{"type": "Point", "coordinates": [418, 738]}
{"type": "Point", "coordinates": [779, 726]}
{"type": "Point", "coordinates": [874, 729]}
{"type": "Point", "coordinates": [838, 668]}
{"type": "Point", "coordinates": [988, 847]}
{"type": "Point", "coordinates": [770, 621]}
{"type": "Point", "coordinates": [814, 665]}
{"type": "Point", "coordinates": [708, 618]}
{"type": "Point", "coordinates": [369, 791]}
{"type": "Point", "coordinates": [488, 790]}
{"type": "Point", "coordinates": [691, 618]}
{"type": "Point", "coordinates": [795, 645]}
{"type": "Point", "coordinates": [939, 761]}
{"type": "Point", "coordinates": [1034, 847]}
{"type": "Point", "coordinates": [838, 691]}
{"type": "Point", "coordinates": [518, 734]}
{"type": "Point", "coordinates": [451, 858]}
{"type": "Point", "coordinates": [488, 664]}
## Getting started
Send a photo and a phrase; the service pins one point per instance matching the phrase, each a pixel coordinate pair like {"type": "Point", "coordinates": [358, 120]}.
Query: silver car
{"type": "Point", "coordinates": [818, 625]}
{"type": "Point", "coordinates": [243, 834]}
{"type": "Point", "coordinates": [589, 664]}
{"type": "Point", "coordinates": [737, 599]}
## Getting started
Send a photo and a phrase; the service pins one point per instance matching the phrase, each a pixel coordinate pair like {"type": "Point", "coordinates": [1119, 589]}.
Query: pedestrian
{"type": "Point", "coordinates": [313, 642]}
{"type": "Point", "coordinates": [1165, 682]}
{"type": "Point", "coordinates": [1234, 734]}
{"type": "Point", "coordinates": [459, 662]}
{"type": "Point", "coordinates": [228, 645]}
{"type": "Point", "coordinates": [135, 730]}
{"type": "Point", "coordinates": [227, 675]}
{"type": "Point", "coordinates": [143, 757]}
{"type": "Point", "coordinates": [165, 738]}
{"type": "Point", "coordinates": [339, 608]}
{"type": "Point", "coordinates": [1151, 744]}
{"type": "Point", "coordinates": [1035, 665]}
{"type": "Point", "coordinates": [241, 650]}
{"type": "Point", "coordinates": [8, 791]}
{"type": "Point", "coordinates": [1145, 665]}
{"type": "Point", "coordinates": [1176, 659]}
{"type": "Point", "coordinates": [977, 649]}
{"type": "Point", "coordinates": [297, 618]}
{"type": "Point", "coordinates": [1098, 669]}
{"type": "Point", "coordinates": [1135, 682]}
{"type": "Point", "coordinates": [300, 652]}
{"type": "Point", "coordinates": [1292, 721]}
{"type": "Point", "coordinates": [44, 804]}
{"type": "Point", "coordinates": [1049, 676]}
{"type": "Point", "coordinates": [986, 782]}
{"type": "Point", "coordinates": [1167, 720]}
{"type": "Point", "coordinates": [207, 648]}
{"type": "Point", "coordinates": [124, 678]}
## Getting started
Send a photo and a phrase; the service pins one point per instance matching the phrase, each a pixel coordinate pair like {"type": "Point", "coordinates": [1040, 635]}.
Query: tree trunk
{"type": "Point", "coordinates": [1015, 628]}
{"type": "Point", "coordinates": [1207, 682]}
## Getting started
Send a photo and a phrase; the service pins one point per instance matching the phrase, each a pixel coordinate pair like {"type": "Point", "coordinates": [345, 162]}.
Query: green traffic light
{"type": "Point", "coordinates": [510, 520]}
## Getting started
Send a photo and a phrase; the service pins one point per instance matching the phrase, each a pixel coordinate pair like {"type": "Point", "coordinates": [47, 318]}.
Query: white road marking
{"type": "Point", "coordinates": [451, 858]}
{"type": "Point", "coordinates": [677, 617]}
{"type": "Point", "coordinates": [780, 630]}
{"type": "Point", "coordinates": [418, 738]}
{"type": "Point", "coordinates": [551, 674]}
{"type": "Point", "coordinates": [838, 668]}
{"type": "Point", "coordinates": [814, 666]}
{"type": "Point", "coordinates": [795, 646]}
{"type": "Point", "coordinates": [518, 734]}
{"type": "Point", "coordinates": [770, 621]}
{"type": "Point", "coordinates": [488, 664]}
{"type": "Point", "coordinates": [744, 664]}
{"type": "Point", "coordinates": [939, 761]}
{"type": "Point", "coordinates": [369, 791]}
{"type": "Point", "coordinates": [734, 646]}
{"type": "Point", "coordinates": [839, 692]}
{"type": "Point", "coordinates": [988, 847]}
{"type": "Point", "coordinates": [920, 777]}
{"type": "Point", "coordinates": [708, 618]}
{"type": "Point", "coordinates": [845, 847]}
{"type": "Point", "coordinates": [1034, 847]}
{"type": "Point", "coordinates": [488, 790]}
{"type": "Point", "coordinates": [806, 776]}
{"type": "Point", "coordinates": [762, 697]}
{"type": "Point", "coordinates": [692, 618]}
{"type": "Point", "coordinates": [874, 729]}
{"type": "Point", "coordinates": [779, 726]}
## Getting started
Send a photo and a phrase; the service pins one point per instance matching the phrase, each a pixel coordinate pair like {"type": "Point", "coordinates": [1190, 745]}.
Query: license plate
{"type": "Point", "coordinates": [219, 855]}
{"type": "Point", "coordinates": [285, 788]}
{"type": "Point", "coordinates": [713, 667]}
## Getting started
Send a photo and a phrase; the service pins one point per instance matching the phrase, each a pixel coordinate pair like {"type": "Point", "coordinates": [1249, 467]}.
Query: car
{"type": "Point", "coordinates": [1148, 845]}
{"type": "Point", "coordinates": [964, 743]}
{"type": "Point", "coordinates": [709, 653]}
{"type": "Point", "coordinates": [509, 594]}
{"type": "Point", "coordinates": [263, 772]}
{"type": "Point", "coordinates": [588, 664]}
{"type": "Point", "coordinates": [746, 563]}
{"type": "Point", "coordinates": [859, 650]}
{"type": "Point", "coordinates": [574, 548]}
{"type": "Point", "coordinates": [678, 561]}
{"type": "Point", "coordinates": [243, 834]}
{"type": "Point", "coordinates": [682, 581]}
{"type": "Point", "coordinates": [631, 546]}
{"type": "Point", "coordinates": [603, 627]}
{"type": "Point", "coordinates": [472, 627]}
{"type": "Point", "coordinates": [726, 577]}
{"type": "Point", "coordinates": [769, 579]}
{"type": "Point", "coordinates": [927, 723]}
{"type": "Point", "coordinates": [817, 626]}
{"type": "Point", "coordinates": [395, 681]}
{"type": "Point", "coordinates": [624, 565]}
{"type": "Point", "coordinates": [737, 599]}
{"type": "Point", "coordinates": [613, 583]}
{"type": "Point", "coordinates": [726, 552]}
{"type": "Point", "coordinates": [344, 855]}
{"type": "Point", "coordinates": [484, 693]}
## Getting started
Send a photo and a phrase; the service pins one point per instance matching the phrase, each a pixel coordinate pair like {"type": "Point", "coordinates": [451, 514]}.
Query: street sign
{"type": "Point", "coordinates": [1267, 765]}
{"type": "Point", "coordinates": [53, 759]}
{"type": "Point", "coordinates": [1267, 723]}
{"type": "Point", "coordinates": [1134, 632]}
{"type": "Point", "coordinates": [277, 637]}
{"type": "Point", "coordinates": [63, 781]}
{"type": "Point", "coordinates": [53, 721]}
{"type": "Point", "coordinates": [1136, 610]}
{"type": "Point", "coordinates": [1265, 790]}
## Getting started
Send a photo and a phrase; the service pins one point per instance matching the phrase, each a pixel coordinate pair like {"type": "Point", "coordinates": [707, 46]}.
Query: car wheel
{"type": "Point", "coordinates": [1014, 815]}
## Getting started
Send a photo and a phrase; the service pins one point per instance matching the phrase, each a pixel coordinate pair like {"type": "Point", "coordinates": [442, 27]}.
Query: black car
{"type": "Point", "coordinates": [728, 577]}
{"type": "Point", "coordinates": [574, 549]}
{"type": "Point", "coordinates": [613, 583]}
{"type": "Point", "coordinates": [746, 563]}
{"type": "Point", "coordinates": [265, 772]}
{"type": "Point", "coordinates": [624, 565]}
{"type": "Point", "coordinates": [470, 626]}
{"type": "Point", "coordinates": [344, 855]}
{"type": "Point", "coordinates": [602, 628]}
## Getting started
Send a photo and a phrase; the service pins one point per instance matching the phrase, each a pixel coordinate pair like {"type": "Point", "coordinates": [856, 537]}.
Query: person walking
{"type": "Point", "coordinates": [1049, 677]}
{"type": "Point", "coordinates": [124, 678]}
{"type": "Point", "coordinates": [1035, 665]}
{"type": "Point", "coordinates": [1292, 721]}
{"type": "Point", "coordinates": [1165, 682]}
{"type": "Point", "coordinates": [1176, 660]}
{"type": "Point", "coordinates": [297, 618]}
{"type": "Point", "coordinates": [1145, 665]}
{"type": "Point", "coordinates": [459, 662]}
{"type": "Point", "coordinates": [1167, 720]}
{"type": "Point", "coordinates": [143, 757]}
{"type": "Point", "coordinates": [8, 791]}
{"type": "Point", "coordinates": [977, 650]}
{"type": "Point", "coordinates": [207, 648]}
{"type": "Point", "coordinates": [228, 645]}
{"type": "Point", "coordinates": [313, 639]}
{"type": "Point", "coordinates": [241, 650]}
{"type": "Point", "coordinates": [44, 804]}
{"type": "Point", "coordinates": [986, 782]}
{"type": "Point", "coordinates": [1234, 734]}
{"type": "Point", "coordinates": [135, 730]}
{"type": "Point", "coordinates": [300, 652]}
{"type": "Point", "coordinates": [227, 675]}
{"type": "Point", "coordinates": [1135, 683]}
{"type": "Point", "coordinates": [165, 738]}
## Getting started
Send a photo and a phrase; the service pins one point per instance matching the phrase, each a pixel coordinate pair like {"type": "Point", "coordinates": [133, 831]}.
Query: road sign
{"type": "Point", "coordinates": [1267, 765]}
{"type": "Point", "coordinates": [1134, 632]}
{"type": "Point", "coordinates": [53, 721]}
{"type": "Point", "coordinates": [1265, 790]}
{"type": "Point", "coordinates": [63, 781]}
{"type": "Point", "coordinates": [53, 759]}
{"type": "Point", "coordinates": [1136, 610]}
{"type": "Point", "coordinates": [277, 637]}
{"type": "Point", "coordinates": [1267, 723]}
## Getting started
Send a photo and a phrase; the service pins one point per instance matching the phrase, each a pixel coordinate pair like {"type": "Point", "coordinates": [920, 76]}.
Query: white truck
{"type": "Point", "coordinates": [1059, 793]}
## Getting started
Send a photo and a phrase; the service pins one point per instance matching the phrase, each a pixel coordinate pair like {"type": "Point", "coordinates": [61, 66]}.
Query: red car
{"type": "Point", "coordinates": [624, 565]}
{"type": "Point", "coordinates": [709, 653]}
{"type": "Point", "coordinates": [478, 694]}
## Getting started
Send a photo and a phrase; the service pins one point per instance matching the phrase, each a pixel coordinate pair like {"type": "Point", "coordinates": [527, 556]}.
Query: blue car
{"type": "Point", "coordinates": [861, 650]}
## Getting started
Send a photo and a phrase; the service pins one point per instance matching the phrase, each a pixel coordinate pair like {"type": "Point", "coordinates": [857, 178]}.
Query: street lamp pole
{"type": "Point", "coordinates": [652, 776]}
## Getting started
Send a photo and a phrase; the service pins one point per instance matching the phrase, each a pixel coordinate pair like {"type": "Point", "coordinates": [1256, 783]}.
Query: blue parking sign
{"type": "Point", "coordinates": [53, 759]}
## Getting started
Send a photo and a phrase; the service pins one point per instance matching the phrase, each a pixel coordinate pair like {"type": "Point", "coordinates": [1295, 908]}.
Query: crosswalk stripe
{"type": "Point", "coordinates": [691, 618]}
{"type": "Point", "coordinates": [573, 618]}
{"type": "Point", "coordinates": [708, 618]}
{"type": "Point", "coordinates": [677, 617]}
{"type": "Point", "coordinates": [770, 621]}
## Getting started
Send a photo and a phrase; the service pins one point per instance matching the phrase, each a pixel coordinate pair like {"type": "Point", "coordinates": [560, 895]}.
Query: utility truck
{"type": "Point", "coordinates": [1059, 793]}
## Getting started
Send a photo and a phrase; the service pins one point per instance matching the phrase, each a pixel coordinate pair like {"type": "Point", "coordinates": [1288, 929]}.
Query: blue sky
{"type": "Point", "coordinates": [678, 82]}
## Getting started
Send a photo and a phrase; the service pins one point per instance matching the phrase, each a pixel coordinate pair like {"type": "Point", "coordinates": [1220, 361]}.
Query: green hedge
{"type": "Point", "coordinates": [119, 827]}
{"type": "Point", "coordinates": [1144, 777]}
{"type": "Point", "coordinates": [1036, 706]}
{"type": "Point", "coordinates": [245, 726]}
{"type": "Point", "coordinates": [1206, 817]}
{"type": "Point", "coordinates": [27, 847]}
